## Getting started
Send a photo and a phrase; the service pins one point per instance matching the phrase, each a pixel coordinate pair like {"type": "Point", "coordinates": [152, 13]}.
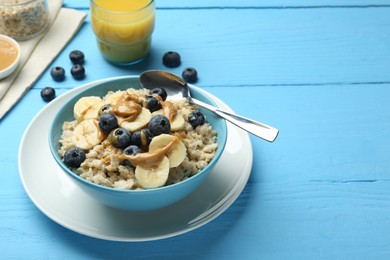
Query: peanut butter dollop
{"type": "Point", "coordinates": [127, 107]}
{"type": "Point", "coordinates": [150, 159]}
{"type": "Point", "coordinates": [169, 110]}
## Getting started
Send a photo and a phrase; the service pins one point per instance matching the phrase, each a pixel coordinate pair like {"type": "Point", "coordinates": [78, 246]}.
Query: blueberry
{"type": "Point", "coordinates": [78, 71]}
{"type": "Point", "coordinates": [159, 124]}
{"type": "Point", "coordinates": [190, 75]}
{"type": "Point", "coordinates": [108, 122]}
{"type": "Point", "coordinates": [120, 138]}
{"type": "Point", "coordinates": [74, 156]}
{"type": "Point", "coordinates": [48, 93]}
{"type": "Point", "coordinates": [196, 118]}
{"type": "Point", "coordinates": [152, 103]}
{"type": "Point", "coordinates": [77, 57]}
{"type": "Point", "coordinates": [161, 92]}
{"type": "Point", "coordinates": [127, 163]}
{"type": "Point", "coordinates": [132, 150]}
{"type": "Point", "coordinates": [57, 73]}
{"type": "Point", "coordinates": [141, 137]}
{"type": "Point", "coordinates": [105, 109]}
{"type": "Point", "coordinates": [171, 59]}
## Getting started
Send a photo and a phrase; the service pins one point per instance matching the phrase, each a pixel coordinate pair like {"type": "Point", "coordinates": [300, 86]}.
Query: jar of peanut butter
{"type": "Point", "coordinates": [23, 19]}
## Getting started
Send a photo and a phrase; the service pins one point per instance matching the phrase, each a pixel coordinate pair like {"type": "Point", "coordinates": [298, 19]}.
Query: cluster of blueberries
{"type": "Point", "coordinates": [77, 71]}
{"type": "Point", "coordinates": [132, 142]}
{"type": "Point", "coordinates": [58, 74]}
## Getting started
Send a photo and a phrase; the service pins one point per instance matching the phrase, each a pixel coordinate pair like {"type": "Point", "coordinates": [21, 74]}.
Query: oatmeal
{"type": "Point", "coordinates": [136, 139]}
{"type": "Point", "coordinates": [23, 19]}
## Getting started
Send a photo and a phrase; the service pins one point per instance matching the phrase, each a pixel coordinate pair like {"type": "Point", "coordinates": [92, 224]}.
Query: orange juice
{"type": "Point", "coordinates": [123, 28]}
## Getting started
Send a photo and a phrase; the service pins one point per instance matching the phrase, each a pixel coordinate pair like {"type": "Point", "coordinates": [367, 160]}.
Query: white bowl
{"type": "Point", "coordinates": [5, 72]}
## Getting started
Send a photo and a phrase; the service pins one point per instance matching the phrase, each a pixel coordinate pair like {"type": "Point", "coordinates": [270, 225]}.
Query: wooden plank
{"type": "Point", "coordinates": [258, 47]}
{"type": "Point", "coordinates": [295, 220]}
{"type": "Point", "coordinates": [324, 181]}
{"type": "Point", "coordinates": [177, 4]}
{"type": "Point", "coordinates": [326, 134]}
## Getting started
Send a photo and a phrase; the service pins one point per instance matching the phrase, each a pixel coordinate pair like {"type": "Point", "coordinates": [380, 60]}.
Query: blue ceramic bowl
{"type": "Point", "coordinates": [134, 199]}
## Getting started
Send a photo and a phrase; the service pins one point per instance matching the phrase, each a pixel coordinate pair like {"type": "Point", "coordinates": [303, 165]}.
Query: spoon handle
{"type": "Point", "coordinates": [258, 129]}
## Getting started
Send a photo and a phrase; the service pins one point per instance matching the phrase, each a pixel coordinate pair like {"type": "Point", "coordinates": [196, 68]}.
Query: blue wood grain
{"type": "Point", "coordinates": [262, 47]}
{"type": "Point", "coordinates": [324, 181]}
{"type": "Point", "coordinates": [239, 4]}
{"type": "Point", "coordinates": [317, 71]}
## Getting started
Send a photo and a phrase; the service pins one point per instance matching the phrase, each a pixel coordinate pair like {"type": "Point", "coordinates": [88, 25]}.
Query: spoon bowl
{"type": "Point", "coordinates": [176, 88]}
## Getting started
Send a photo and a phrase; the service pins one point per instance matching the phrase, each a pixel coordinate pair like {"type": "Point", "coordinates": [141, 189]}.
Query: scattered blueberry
{"type": "Point", "coordinates": [141, 137]}
{"type": "Point", "coordinates": [190, 75]}
{"type": "Point", "coordinates": [108, 122]}
{"type": "Point", "coordinates": [78, 71]}
{"type": "Point", "coordinates": [57, 73]}
{"type": "Point", "coordinates": [48, 93]}
{"type": "Point", "coordinates": [77, 57]}
{"type": "Point", "coordinates": [74, 156]}
{"type": "Point", "coordinates": [161, 92]}
{"type": "Point", "coordinates": [120, 138]}
{"type": "Point", "coordinates": [171, 59]}
{"type": "Point", "coordinates": [152, 103]}
{"type": "Point", "coordinates": [196, 118]}
{"type": "Point", "coordinates": [105, 109]}
{"type": "Point", "coordinates": [159, 124]}
{"type": "Point", "coordinates": [132, 150]}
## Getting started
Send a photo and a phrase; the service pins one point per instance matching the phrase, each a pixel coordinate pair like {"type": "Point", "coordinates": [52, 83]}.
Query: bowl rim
{"type": "Point", "coordinates": [11, 68]}
{"type": "Point", "coordinates": [69, 172]}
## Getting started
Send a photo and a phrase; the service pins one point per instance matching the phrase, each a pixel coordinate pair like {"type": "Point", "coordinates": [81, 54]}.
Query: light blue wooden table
{"type": "Point", "coordinates": [318, 71]}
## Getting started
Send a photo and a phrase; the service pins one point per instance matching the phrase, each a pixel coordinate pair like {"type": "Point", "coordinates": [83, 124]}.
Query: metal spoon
{"type": "Point", "coordinates": [176, 87]}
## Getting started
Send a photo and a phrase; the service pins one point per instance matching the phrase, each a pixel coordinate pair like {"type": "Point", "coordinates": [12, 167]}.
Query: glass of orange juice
{"type": "Point", "coordinates": [123, 29]}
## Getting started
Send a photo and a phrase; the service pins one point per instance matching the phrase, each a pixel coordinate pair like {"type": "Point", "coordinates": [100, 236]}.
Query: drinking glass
{"type": "Point", "coordinates": [123, 29]}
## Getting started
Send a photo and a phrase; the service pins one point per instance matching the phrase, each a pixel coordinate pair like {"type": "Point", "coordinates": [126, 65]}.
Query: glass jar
{"type": "Point", "coordinates": [23, 19]}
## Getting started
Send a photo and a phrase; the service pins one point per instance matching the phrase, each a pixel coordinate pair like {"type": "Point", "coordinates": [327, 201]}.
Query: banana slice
{"type": "Point", "coordinates": [176, 154]}
{"type": "Point", "coordinates": [87, 134]}
{"type": "Point", "coordinates": [87, 108]}
{"type": "Point", "coordinates": [112, 98]}
{"type": "Point", "coordinates": [177, 123]}
{"type": "Point", "coordinates": [158, 112]}
{"type": "Point", "coordinates": [139, 123]}
{"type": "Point", "coordinates": [153, 177]}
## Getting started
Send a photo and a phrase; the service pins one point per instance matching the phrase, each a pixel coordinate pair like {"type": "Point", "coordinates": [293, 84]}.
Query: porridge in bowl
{"type": "Point", "coordinates": [136, 139]}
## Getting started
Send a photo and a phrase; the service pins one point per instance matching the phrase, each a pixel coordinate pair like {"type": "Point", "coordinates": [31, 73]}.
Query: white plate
{"type": "Point", "coordinates": [62, 201]}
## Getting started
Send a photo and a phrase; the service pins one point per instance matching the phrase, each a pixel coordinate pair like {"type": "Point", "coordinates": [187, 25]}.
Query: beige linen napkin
{"type": "Point", "coordinates": [38, 53]}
